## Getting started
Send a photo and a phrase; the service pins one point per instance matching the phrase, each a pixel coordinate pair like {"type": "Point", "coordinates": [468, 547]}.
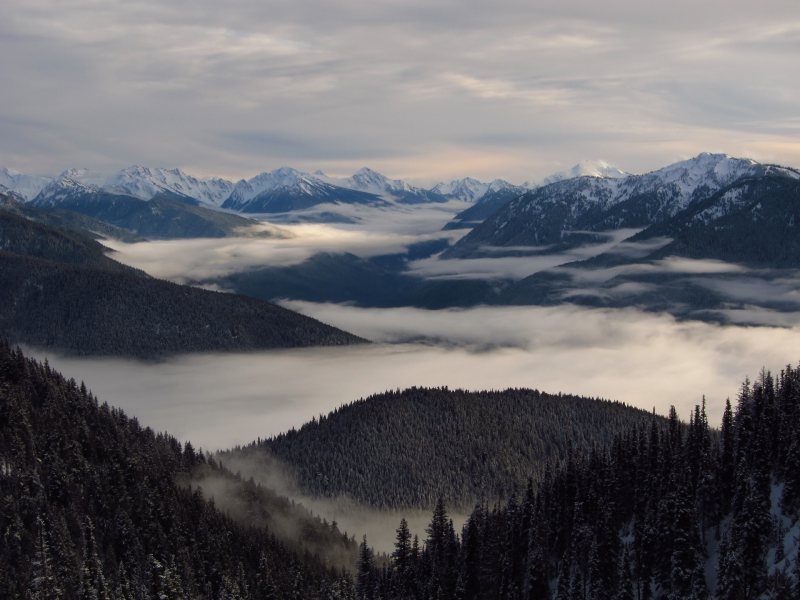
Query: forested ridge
{"type": "Point", "coordinates": [59, 289]}
{"type": "Point", "coordinates": [675, 513]}
{"type": "Point", "coordinates": [407, 448]}
{"type": "Point", "coordinates": [92, 505]}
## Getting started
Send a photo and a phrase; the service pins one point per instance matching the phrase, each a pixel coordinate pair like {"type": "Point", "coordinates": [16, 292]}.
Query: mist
{"type": "Point", "coordinates": [351, 517]}
{"type": "Point", "coordinates": [377, 232]}
{"type": "Point", "coordinates": [219, 401]}
{"type": "Point", "coordinates": [647, 360]}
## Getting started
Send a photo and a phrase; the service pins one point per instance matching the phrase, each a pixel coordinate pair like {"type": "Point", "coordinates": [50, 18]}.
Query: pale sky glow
{"type": "Point", "coordinates": [416, 89]}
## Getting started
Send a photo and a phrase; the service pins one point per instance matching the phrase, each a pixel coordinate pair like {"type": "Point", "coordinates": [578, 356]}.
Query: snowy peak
{"type": "Point", "coordinates": [372, 182]}
{"type": "Point", "coordinates": [69, 184]}
{"type": "Point", "coordinates": [468, 189]}
{"type": "Point", "coordinates": [717, 168]}
{"type": "Point", "coordinates": [24, 186]}
{"type": "Point", "coordinates": [146, 182]}
{"type": "Point", "coordinates": [285, 178]}
{"type": "Point", "coordinates": [585, 168]}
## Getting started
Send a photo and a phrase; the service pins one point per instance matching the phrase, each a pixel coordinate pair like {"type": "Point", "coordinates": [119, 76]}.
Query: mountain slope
{"type": "Point", "coordinates": [287, 189]}
{"type": "Point", "coordinates": [92, 505]}
{"type": "Point", "coordinates": [59, 290]}
{"type": "Point", "coordinates": [22, 236]}
{"type": "Point", "coordinates": [146, 182]}
{"type": "Point", "coordinates": [26, 186]}
{"type": "Point", "coordinates": [755, 221]}
{"type": "Point", "coordinates": [405, 449]}
{"type": "Point", "coordinates": [372, 182]}
{"type": "Point", "coordinates": [563, 212]}
{"type": "Point", "coordinates": [166, 215]}
{"type": "Point", "coordinates": [491, 202]}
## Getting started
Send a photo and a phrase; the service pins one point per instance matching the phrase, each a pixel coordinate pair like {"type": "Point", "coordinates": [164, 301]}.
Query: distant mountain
{"type": "Point", "coordinates": [166, 215]}
{"type": "Point", "coordinates": [58, 290]}
{"type": "Point", "coordinates": [467, 189]}
{"type": "Point", "coordinates": [145, 183]}
{"type": "Point", "coordinates": [397, 190]}
{"type": "Point", "coordinates": [405, 449]}
{"type": "Point", "coordinates": [751, 223]}
{"type": "Point", "coordinates": [488, 204]}
{"type": "Point", "coordinates": [26, 186]}
{"type": "Point", "coordinates": [95, 505]}
{"type": "Point", "coordinates": [586, 168]}
{"type": "Point", "coordinates": [499, 193]}
{"type": "Point", "coordinates": [754, 221]}
{"type": "Point", "coordinates": [287, 189]}
{"type": "Point", "coordinates": [563, 212]}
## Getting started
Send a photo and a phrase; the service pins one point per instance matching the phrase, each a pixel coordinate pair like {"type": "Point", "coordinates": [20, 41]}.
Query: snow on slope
{"type": "Point", "coordinates": [146, 182]}
{"type": "Point", "coordinates": [283, 178]}
{"type": "Point", "coordinates": [69, 184]}
{"type": "Point", "coordinates": [586, 168]}
{"type": "Point", "coordinates": [371, 182]}
{"type": "Point", "coordinates": [26, 186]}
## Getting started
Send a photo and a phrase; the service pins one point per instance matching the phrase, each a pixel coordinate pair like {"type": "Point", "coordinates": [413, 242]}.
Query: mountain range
{"type": "Point", "coordinates": [576, 210]}
{"type": "Point", "coordinates": [279, 190]}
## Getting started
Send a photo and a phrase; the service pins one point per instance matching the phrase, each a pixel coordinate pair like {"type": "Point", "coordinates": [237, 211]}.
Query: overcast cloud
{"type": "Point", "coordinates": [417, 89]}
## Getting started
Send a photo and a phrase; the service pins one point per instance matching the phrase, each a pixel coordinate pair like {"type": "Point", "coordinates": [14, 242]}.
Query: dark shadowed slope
{"type": "Point", "coordinates": [59, 290]}
{"type": "Point", "coordinates": [92, 505]}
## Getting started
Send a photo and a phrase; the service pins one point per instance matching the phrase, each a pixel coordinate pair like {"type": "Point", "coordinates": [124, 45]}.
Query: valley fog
{"type": "Point", "coordinates": [647, 360]}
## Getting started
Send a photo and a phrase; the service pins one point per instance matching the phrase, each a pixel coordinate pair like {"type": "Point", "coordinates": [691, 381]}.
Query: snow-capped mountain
{"type": "Point", "coordinates": [586, 168]}
{"type": "Point", "coordinates": [371, 182]}
{"type": "Point", "coordinates": [286, 189]}
{"type": "Point", "coordinates": [25, 186]}
{"type": "Point", "coordinates": [68, 186]}
{"type": "Point", "coordinates": [549, 214]}
{"type": "Point", "coordinates": [145, 182]}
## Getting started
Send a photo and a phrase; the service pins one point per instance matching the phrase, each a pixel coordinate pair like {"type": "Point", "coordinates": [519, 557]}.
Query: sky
{"type": "Point", "coordinates": [423, 90]}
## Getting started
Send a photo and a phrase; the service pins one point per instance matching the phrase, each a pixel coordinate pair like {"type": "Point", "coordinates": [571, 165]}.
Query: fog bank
{"type": "Point", "coordinates": [647, 360]}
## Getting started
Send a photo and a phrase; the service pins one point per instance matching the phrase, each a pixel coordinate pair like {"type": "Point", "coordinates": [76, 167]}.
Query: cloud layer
{"type": "Point", "coordinates": [417, 89]}
{"type": "Point", "coordinates": [647, 360]}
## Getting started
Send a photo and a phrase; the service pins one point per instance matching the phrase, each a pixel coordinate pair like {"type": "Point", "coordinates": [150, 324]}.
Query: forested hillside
{"type": "Point", "coordinates": [164, 216]}
{"type": "Point", "coordinates": [59, 289]}
{"type": "Point", "coordinates": [20, 235]}
{"type": "Point", "coordinates": [92, 506]}
{"type": "Point", "coordinates": [678, 513]}
{"type": "Point", "coordinates": [405, 449]}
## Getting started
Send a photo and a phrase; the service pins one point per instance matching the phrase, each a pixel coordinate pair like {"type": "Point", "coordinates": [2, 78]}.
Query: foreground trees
{"type": "Point", "coordinates": [670, 511]}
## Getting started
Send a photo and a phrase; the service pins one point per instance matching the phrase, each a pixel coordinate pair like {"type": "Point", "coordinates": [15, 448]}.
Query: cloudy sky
{"type": "Point", "coordinates": [417, 89]}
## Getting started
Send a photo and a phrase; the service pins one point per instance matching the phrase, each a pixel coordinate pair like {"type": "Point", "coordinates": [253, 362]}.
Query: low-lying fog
{"type": "Point", "coordinates": [221, 400]}
{"type": "Point", "coordinates": [648, 360]}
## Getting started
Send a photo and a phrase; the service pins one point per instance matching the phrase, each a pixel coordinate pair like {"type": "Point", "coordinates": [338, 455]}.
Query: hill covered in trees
{"type": "Point", "coordinates": [59, 289]}
{"type": "Point", "coordinates": [406, 449]}
{"type": "Point", "coordinates": [166, 215]}
{"type": "Point", "coordinates": [92, 505]}
{"type": "Point", "coordinates": [675, 513]}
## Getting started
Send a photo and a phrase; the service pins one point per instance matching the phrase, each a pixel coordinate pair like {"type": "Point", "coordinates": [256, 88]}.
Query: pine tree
{"type": "Point", "coordinates": [93, 582]}
{"type": "Point", "coordinates": [797, 575]}
{"type": "Point", "coordinates": [365, 574]}
{"type": "Point", "coordinates": [403, 566]}
{"type": "Point", "coordinates": [43, 583]}
{"type": "Point", "coordinates": [625, 585]}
